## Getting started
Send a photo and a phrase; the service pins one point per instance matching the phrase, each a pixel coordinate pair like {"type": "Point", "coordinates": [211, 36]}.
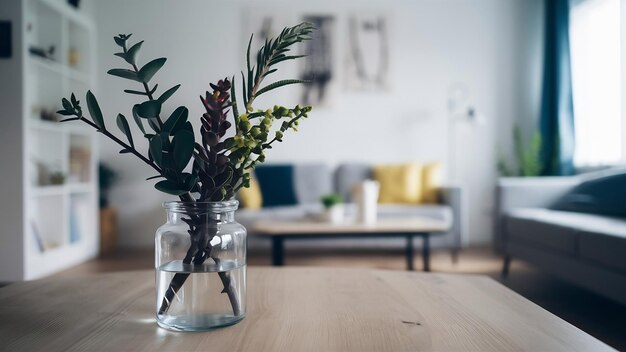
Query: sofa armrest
{"type": "Point", "coordinates": [453, 197]}
{"type": "Point", "coordinates": [526, 192]}
{"type": "Point", "coordinates": [531, 192]}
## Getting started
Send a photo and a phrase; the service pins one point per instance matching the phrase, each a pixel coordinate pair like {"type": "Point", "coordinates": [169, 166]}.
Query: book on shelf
{"type": "Point", "coordinates": [37, 236]}
{"type": "Point", "coordinates": [74, 226]}
{"type": "Point", "coordinates": [80, 164]}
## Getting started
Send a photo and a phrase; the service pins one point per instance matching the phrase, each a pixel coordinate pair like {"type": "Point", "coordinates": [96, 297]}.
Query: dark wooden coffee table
{"type": "Point", "coordinates": [408, 228]}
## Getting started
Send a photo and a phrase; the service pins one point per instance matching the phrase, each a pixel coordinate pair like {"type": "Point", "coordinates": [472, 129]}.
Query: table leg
{"type": "Point", "coordinates": [426, 251]}
{"type": "Point", "coordinates": [409, 252]}
{"type": "Point", "coordinates": [278, 251]}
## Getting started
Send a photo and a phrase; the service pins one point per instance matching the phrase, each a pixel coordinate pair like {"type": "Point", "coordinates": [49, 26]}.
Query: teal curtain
{"type": "Point", "coordinates": [557, 111]}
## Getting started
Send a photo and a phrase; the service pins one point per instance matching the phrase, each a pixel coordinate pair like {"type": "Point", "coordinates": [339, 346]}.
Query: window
{"type": "Point", "coordinates": [595, 57]}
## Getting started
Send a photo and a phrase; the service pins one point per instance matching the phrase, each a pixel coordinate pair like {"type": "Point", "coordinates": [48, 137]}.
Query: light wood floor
{"type": "Point", "coordinates": [597, 316]}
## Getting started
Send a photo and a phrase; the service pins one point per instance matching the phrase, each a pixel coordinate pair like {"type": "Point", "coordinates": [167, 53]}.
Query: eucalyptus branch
{"type": "Point", "coordinates": [151, 108]}
{"type": "Point", "coordinates": [124, 145]}
{"type": "Point", "coordinates": [145, 85]}
{"type": "Point", "coordinates": [74, 109]}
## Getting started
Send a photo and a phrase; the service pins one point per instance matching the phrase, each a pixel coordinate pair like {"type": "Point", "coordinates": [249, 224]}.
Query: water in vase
{"type": "Point", "coordinates": [200, 303]}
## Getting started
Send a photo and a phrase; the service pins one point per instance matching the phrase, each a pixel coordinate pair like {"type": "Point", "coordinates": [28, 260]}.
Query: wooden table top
{"type": "Point", "coordinates": [290, 309]}
{"type": "Point", "coordinates": [385, 225]}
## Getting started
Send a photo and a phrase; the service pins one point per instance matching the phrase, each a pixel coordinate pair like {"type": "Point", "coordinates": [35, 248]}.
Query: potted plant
{"type": "Point", "coordinates": [528, 163]}
{"type": "Point", "coordinates": [201, 246]}
{"type": "Point", "coordinates": [334, 209]}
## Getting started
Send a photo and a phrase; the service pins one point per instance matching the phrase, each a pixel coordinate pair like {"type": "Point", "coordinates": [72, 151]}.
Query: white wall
{"type": "Point", "coordinates": [491, 46]}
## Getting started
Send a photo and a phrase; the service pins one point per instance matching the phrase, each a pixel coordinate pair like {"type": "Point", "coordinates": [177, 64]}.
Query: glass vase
{"type": "Point", "coordinates": [200, 266]}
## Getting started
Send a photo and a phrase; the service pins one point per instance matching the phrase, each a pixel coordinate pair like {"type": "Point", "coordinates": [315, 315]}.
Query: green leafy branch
{"type": "Point", "coordinates": [249, 145]}
{"type": "Point", "coordinates": [72, 108]}
{"type": "Point", "coordinates": [246, 148]}
{"type": "Point", "coordinates": [170, 143]}
{"type": "Point", "coordinates": [271, 53]}
{"type": "Point", "coordinates": [151, 108]}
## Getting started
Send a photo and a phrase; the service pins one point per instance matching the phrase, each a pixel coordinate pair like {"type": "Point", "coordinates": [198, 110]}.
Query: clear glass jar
{"type": "Point", "coordinates": [200, 266]}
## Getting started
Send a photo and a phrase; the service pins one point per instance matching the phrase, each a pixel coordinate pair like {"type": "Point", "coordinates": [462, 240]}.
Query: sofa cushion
{"type": "Point", "coordinates": [251, 197]}
{"type": "Point", "coordinates": [312, 181]}
{"type": "Point", "coordinates": [349, 175]}
{"type": "Point", "coordinates": [606, 247]}
{"type": "Point", "coordinates": [399, 183]}
{"type": "Point", "coordinates": [545, 228]}
{"type": "Point", "coordinates": [605, 195]}
{"type": "Point", "coordinates": [564, 231]}
{"type": "Point", "coordinates": [277, 185]}
{"type": "Point", "coordinates": [431, 183]}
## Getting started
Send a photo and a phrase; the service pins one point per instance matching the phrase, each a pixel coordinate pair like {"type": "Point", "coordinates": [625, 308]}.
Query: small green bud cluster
{"type": "Point", "coordinates": [247, 147]}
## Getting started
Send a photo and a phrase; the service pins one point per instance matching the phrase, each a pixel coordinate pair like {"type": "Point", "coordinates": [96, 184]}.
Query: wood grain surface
{"type": "Point", "coordinates": [386, 225]}
{"type": "Point", "coordinates": [290, 309]}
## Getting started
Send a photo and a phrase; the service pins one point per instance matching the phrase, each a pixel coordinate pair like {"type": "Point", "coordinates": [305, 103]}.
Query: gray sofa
{"type": "Point", "coordinates": [582, 245]}
{"type": "Point", "coordinates": [313, 180]}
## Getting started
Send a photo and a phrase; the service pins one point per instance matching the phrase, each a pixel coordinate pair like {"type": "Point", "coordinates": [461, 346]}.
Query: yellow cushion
{"type": "Point", "coordinates": [431, 177]}
{"type": "Point", "coordinates": [399, 184]}
{"type": "Point", "coordinates": [251, 197]}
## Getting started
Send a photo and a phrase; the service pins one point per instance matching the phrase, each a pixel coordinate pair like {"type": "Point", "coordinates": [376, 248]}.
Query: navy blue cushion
{"type": "Point", "coordinates": [602, 196]}
{"type": "Point", "coordinates": [276, 183]}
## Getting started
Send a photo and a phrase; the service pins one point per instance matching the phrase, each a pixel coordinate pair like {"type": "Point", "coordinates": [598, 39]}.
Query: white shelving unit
{"type": "Point", "coordinates": [49, 184]}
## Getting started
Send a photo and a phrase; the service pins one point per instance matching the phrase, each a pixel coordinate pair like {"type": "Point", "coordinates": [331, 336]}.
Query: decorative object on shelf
{"type": "Point", "coordinates": [46, 114]}
{"type": "Point", "coordinates": [47, 54]}
{"type": "Point", "coordinates": [57, 178]}
{"type": "Point", "coordinates": [74, 225]}
{"type": "Point", "coordinates": [74, 3]}
{"type": "Point", "coordinates": [42, 245]}
{"type": "Point", "coordinates": [6, 44]}
{"type": "Point", "coordinates": [201, 237]}
{"type": "Point", "coordinates": [334, 209]}
{"type": "Point", "coordinates": [37, 237]}
{"type": "Point", "coordinates": [528, 156]}
{"type": "Point", "coordinates": [47, 177]}
{"type": "Point", "coordinates": [43, 173]}
{"type": "Point", "coordinates": [107, 177]}
{"type": "Point", "coordinates": [73, 57]}
{"type": "Point", "coordinates": [365, 195]}
{"type": "Point", "coordinates": [80, 160]}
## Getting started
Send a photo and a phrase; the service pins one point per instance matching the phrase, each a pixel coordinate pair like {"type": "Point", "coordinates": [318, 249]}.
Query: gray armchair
{"type": "Point", "coordinates": [587, 248]}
